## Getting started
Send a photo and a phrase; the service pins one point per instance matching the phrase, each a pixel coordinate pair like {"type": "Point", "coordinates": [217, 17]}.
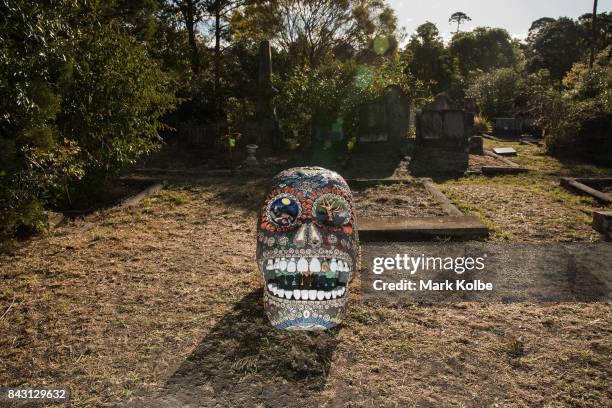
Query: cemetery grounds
{"type": "Point", "coordinates": [160, 305]}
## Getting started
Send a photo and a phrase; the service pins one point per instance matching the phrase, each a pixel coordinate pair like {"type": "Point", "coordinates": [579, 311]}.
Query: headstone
{"type": "Point", "coordinates": [386, 119]}
{"type": "Point", "coordinates": [507, 127]}
{"type": "Point", "coordinates": [442, 134]}
{"type": "Point", "coordinates": [440, 102]}
{"type": "Point", "coordinates": [504, 151]}
{"type": "Point", "coordinates": [602, 223]}
{"type": "Point", "coordinates": [476, 145]}
{"type": "Point", "coordinates": [268, 128]}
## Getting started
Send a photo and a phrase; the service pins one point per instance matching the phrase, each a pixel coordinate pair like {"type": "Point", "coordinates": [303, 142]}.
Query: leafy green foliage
{"type": "Point", "coordinates": [557, 45]}
{"type": "Point", "coordinates": [428, 63]}
{"type": "Point", "coordinates": [496, 92]}
{"type": "Point", "coordinates": [333, 92]}
{"type": "Point", "coordinates": [78, 95]}
{"type": "Point", "coordinates": [581, 122]}
{"type": "Point", "coordinates": [483, 49]}
{"type": "Point", "coordinates": [113, 103]}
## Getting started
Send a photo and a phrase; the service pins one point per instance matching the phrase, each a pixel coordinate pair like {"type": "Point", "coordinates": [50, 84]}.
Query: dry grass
{"type": "Point", "coordinates": [396, 200]}
{"type": "Point", "coordinates": [160, 305]}
{"type": "Point", "coordinates": [518, 213]}
{"type": "Point", "coordinates": [100, 303]}
{"type": "Point", "coordinates": [165, 298]}
{"type": "Point", "coordinates": [476, 162]}
{"type": "Point", "coordinates": [532, 206]}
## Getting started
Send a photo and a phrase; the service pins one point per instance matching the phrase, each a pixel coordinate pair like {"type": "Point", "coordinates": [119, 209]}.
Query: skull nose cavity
{"type": "Point", "coordinates": [300, 237]}
{"type": "Point", "coordinates": [314, 235]}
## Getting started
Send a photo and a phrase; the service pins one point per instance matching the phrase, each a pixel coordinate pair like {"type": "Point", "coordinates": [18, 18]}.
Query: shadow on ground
{"type": "Point", "coordinates": [244, 361]}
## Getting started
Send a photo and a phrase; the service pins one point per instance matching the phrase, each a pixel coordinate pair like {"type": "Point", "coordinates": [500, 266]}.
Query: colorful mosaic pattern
{"type": "Point", "coordinates": [307, 248]}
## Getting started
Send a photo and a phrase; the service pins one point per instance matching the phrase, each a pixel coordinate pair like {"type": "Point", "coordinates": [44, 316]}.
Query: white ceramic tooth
{"type": "Point", "coordinates": [320, 295]}
{"type": "Point", "coordinates": [312, 294]}
{"type": "Point", "coordinates": [341, 291]}
{"type": "Point", "coordinates": [282, 265]}
{"type": "Point", "coordinates": [297, 293]}
{"type": "Point", "coordinates": [291, 267]}
{"type": "Point", "coordinates": [335, 293]}
{"type": "Point", "coordinates": [302, 265]}
{"type": "Point", "coordinates": [270, 285]}
{"type": "Point", "coordinates": [333, 266]}
{"type": "Point", "coordinates": [288, 294]}
{"type": "Point", "coordinates": [315, 265]}
{"type": "Point", "coordinates": [276, 263]}
{"type": "Point", "coordinates": [274, 288]}
{"type": "Point", "coordinates": [304, 293]}
{"type": "Point", "coordinates": [328, 294]}
{"type": "Point", "coordinates": [280, 293]}
{"type": "Point", "coordinates": [270, 265]}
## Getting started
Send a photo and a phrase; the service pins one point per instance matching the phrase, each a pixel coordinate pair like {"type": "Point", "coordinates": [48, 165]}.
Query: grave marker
{"type": "Point", "coordinates": [504, 151]}
{"type": "Point", "coordinates": [441, 138]}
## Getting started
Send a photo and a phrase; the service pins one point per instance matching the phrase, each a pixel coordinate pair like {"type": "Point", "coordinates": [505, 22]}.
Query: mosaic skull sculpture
{"type": "Point", "coordinates": [307, 248]}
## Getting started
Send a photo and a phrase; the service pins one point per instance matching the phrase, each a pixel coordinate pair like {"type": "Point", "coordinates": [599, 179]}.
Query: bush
{"type": "Point", "coordinates": [334, 92]}
{"type": "Point", "coordinates": [79, 99]}
{"type": "Point", "coordinates": [481, 124]}
{"type": "Point", "coordinates": [578, 121]}
{"type": "Point", "coordinates": [495, 92]}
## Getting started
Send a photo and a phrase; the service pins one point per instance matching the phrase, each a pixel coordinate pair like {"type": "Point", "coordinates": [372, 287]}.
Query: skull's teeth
{"type": "Point", "coordinates": [303, 264]}
{"type": "Point", "coordinates": [304, 278]}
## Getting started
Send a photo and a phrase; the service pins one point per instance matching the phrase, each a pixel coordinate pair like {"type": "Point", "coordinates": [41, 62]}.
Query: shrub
{"type": "Point", "coordinates": [79, 99]}
{"type": "Point", "coordinates": [334, 92]}
{"type": "Point", "coordinates": [578, 121]}
{"type": "Point", "coordinates": [495, 92]}
{"type": "Point", "coordinates": [481, 124]}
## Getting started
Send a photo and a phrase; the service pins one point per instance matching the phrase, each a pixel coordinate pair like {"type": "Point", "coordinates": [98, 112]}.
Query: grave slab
{"type": "Point", "coordinates": [504, 151]}
{"type": "Point", "coordinates": [496, 170]}
{"type": "Point", "coordinates": [418, 228]}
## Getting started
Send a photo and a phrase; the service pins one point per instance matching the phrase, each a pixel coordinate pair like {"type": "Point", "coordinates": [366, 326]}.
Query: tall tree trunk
{"type": "Point", "coordinates": [217, 90]}
{"type": "Point", "coordinates": [593, 34]}
{"type": "Point", "coordinates": [189, 14]}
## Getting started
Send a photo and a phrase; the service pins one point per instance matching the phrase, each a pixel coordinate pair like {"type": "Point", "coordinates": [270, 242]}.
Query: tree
{"type": "Point", "coordinates": [593, 34]}
{"type": "Point", "coordinates": [602, 37]}
{"type": "Point", "coordinates": [191, 12]}
{"type": "Point", "coordinates": [310, 30]}
{"type": "Point", "coordinates": [220, 12]}
{"type": "Point", "coordinates": [428, 61]}
{"type": "Point", "coordinates": [540, 23]}
{"type": "Point", "coordinates": [556, 46]}
{"type": "Point", "coordinates": [483, 49]}
{"type": "Point", "coordinates": [80, 97]}
{"type": "Point", "coordinates": [579, 120]}
{"type": "Point", "coordinates": [496, 92]}
{"type": "Point", "coordinates": [459, 17]}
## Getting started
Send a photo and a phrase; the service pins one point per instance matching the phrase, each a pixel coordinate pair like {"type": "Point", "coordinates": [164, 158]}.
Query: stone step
{"type": "Point", "coordinates": [420, 228]}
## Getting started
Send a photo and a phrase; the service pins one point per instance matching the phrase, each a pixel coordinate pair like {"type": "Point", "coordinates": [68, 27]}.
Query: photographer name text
{"type": "Point", "coordinates": [430, 285]}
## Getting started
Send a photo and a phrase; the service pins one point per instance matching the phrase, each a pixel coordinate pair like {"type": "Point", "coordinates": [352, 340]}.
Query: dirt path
{"type": "Point", "coordinates": [160, 306]}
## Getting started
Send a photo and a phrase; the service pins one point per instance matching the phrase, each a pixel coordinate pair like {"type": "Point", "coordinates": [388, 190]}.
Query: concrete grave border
{"type": "Point", "coordinates": [455, 225]}
{"type": "Point", "coordinates": [580, 185]}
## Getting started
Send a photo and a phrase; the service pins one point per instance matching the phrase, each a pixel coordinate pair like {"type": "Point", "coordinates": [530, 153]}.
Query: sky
{"type": "Point", "coordinates": [513, 15]}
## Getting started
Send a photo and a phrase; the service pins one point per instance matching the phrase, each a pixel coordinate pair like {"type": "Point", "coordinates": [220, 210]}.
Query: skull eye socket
{"type": "Point", "coordinates": [284, 210]}
{"type": "Point", "coordinates": [331, 210]}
